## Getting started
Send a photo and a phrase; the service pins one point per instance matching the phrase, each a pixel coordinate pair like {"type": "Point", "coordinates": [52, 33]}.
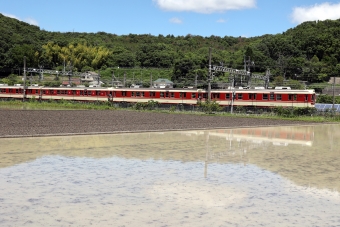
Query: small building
{"type": "Point", "coordinates": [88, 77]}
{"type": "Point", "coordinates": [92, 78]}
{"type": "Point", "coordinates": [75, 81]}
{"type": "Point", "coordinates": [163, 83]}
{"type": "Point", "coordinates": [335, 80]}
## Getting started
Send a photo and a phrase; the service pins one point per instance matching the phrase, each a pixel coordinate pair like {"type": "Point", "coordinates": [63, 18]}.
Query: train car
{"type": "Point", "coordinates": [232, 96]}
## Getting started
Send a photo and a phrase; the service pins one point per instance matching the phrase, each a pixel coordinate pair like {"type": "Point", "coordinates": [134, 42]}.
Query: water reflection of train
{"type": "Point", "coordinates": [278, 136]}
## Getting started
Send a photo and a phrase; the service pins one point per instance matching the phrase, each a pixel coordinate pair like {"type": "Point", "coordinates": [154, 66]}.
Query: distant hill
{"type": "Point", "coordinates": [310, 51]}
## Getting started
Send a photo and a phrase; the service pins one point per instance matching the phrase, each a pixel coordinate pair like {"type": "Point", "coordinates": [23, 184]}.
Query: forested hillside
{"type": "Point", "coordinates": [310, 51]}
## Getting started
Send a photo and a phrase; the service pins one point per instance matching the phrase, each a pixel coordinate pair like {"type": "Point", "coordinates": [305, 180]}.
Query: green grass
{"type": "Point", "coordinates": [53, 105]}
{"type": "Point", "coordinates": [66, 105]}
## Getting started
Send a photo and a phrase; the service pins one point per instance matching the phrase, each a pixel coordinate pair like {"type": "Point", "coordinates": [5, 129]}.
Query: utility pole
{"type": "Point", "coordinates": [24, 95]}
{"type": "Point", "coordinates": [150, 80]}
{"type": "Point", "coordinates": [124, 81]}
{"type": "Point", "coordinates": [266, 83]}
{"type": "Point", "coordinates": [232, 96]}
{"type": "Point", "coordinates": [196, 80]}
{"type": "Point", "coordinates": [247, 64]}
{"type": "Point", "coordinates": [70, 75]}
{"type": "Point", "coordinates": [333, 95]}
{"type": "Point", "coordinates": [98, 78]}
{"type": "Point", "coordinates": [209, 79]}
{"type": "Point", "coordinates": [113, 76]}
{"type": "Point", "coordinates": [41, 74]}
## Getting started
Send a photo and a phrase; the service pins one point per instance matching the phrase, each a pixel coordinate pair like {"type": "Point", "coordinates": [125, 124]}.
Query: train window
{"type": "Point", "coordinates": [295, 97]}
{"type": "Point", "coordinates": [239, 96]}
{"type": "Point", "coordinates": [132, 93]}
{"type": "Point", "coordinates": [152, 94]}
{"type": "Point", "coordinates": [183, 95]}
{"type": "Point", "coordinates": [227, 96]}
{"type": "Point", "coordinates": [306, 97]}
{"type": "Point", "coordinates": [142, 93]}
{"type": "Point", "coordinates": [172, 95]}
{"type": "Point", "coordinates": [167, 94]}
{"type": "Point", "coordinates": [193, 95]}
{"type": "Point", "coordinates": [58, 92]}
{"type": "Point", "coordinates": [271, 96]}
{"type": "Point", "coordinates": [162, 94]}
{"type": "Point", "coordinates": [16, 91]}
{"type": "Point", "coordinates": [123, 93]}
{"type": "Point", "coordinates": [290, 97]}
{"type": "Point", "coordinates": [278, 97]}
{"type": "Point", "coordinates": [137, 94]}
{"type": "Point", "coordinates": [265, 97]}
{"type": "Point", "coordinates": [215, 96]}
{"type": "Point", "coordinates": [205, 95]}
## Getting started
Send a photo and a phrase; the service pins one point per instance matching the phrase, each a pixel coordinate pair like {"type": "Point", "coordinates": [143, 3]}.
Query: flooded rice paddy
{"type": "Point", "coordinates": [282, 176]}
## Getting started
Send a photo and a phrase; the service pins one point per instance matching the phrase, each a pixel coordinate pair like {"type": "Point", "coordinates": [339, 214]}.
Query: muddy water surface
{"type": "Point", "coordinates": [285, 176]}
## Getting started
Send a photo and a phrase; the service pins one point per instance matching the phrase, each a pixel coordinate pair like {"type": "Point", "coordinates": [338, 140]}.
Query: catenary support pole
{"type": "Point", "coordinates": [209, 76]}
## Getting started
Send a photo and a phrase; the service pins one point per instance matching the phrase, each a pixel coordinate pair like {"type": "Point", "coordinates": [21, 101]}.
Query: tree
{"type": "Point", "coordinates": [18, 52]}
{"type": "Point", "coordinates": [278, 81]}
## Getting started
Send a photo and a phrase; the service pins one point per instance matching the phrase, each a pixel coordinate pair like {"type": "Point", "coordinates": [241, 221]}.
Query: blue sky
{"type": "Point", "coordinates": [235, 18]}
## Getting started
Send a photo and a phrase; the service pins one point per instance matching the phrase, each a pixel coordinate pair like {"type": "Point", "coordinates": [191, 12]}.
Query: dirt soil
{"type": "Point", "coordinates": [17, 123]}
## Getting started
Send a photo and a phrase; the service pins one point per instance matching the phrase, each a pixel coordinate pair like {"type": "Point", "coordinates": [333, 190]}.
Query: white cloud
{"type": "Point", "coordinates": [316, 12]}
{"type": "Point", "coordinates": [220, 21]}
{"type": "Point", "coordinates": [204, 6]}
{"type": "Point", "coordinates": [11, 16]}
{"type": "Point", "coordinates": [27, 20]}
{"type": "Point", "coordinates": [176, 20]}
{"type": "Point", "coordinates": [31, 21]}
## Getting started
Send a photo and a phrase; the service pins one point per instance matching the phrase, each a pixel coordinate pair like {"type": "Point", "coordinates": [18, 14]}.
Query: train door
{"type": "Point", "coordinates": [252, 96]}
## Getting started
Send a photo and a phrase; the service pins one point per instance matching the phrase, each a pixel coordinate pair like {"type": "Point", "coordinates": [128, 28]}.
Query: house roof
{"type": "Point", "coordinates": [73, 80]}
{"type": "Point", "coordinates": [163, 81]}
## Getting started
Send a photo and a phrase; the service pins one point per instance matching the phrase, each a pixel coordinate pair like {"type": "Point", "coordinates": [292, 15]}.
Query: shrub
{"type": "Point", "coordinates": [209, 106]}
{"type": "Point", "coordinates": [172, 108]}
{"type": "Point", "coordinates": [150, 105]}
{"type": "Point", "coordinates": [294, 111]}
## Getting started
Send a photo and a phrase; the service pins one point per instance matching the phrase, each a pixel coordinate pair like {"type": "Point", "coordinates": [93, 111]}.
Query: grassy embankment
{"type": "Point", "coordinates": [202, 110]}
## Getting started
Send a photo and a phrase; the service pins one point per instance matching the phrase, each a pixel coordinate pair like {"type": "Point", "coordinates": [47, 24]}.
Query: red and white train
{"type": "Point", "coordinates": [237, 97]}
